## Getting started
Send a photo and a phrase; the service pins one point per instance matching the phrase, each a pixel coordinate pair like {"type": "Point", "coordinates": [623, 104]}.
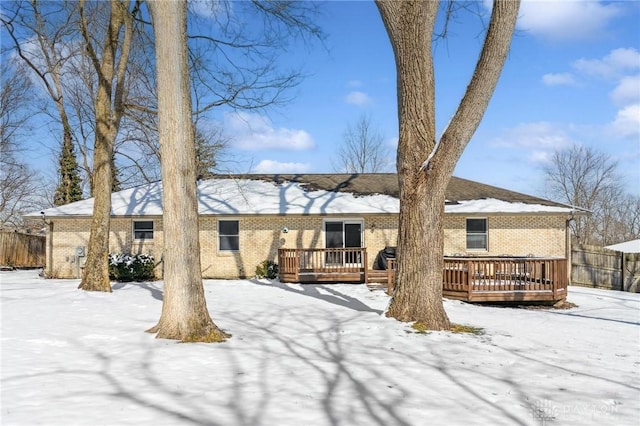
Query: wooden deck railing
{"type": "Point", "coordinates": [484, 278]}
{"type": "Point", "coordinates": [331, 264]}
{"type": "Point", "coordinates": [466, 278]}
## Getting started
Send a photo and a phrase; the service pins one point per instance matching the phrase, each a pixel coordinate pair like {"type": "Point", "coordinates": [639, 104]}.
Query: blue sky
{"type": "Point", "coordinates": [572, 76]}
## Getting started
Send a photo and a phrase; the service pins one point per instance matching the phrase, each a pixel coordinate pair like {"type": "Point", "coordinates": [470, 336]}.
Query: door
{"type": "Point", "coordinates": [343, 234]}
{"type": "Point", "coordinates": [353, 238]}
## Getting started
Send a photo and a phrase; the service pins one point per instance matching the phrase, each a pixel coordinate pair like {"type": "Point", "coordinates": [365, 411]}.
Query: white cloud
{"type": "Point", "coordinates": [540, 156]}
{"type": "Point", "coordinates": [617, 62]}
{"type": "Point", "coordinates": [566, 20]}
{"type": "Point", "coordinates": [559, 79]}
{"type": "Point", "coordinates": [541, 136]}
{"type": "Point", "coordinates": [252, 132]}
{"type": "Point", "coordinates": [619, 66]}
{"type": "Point", "coordinates": [627, 92]}
{"type": "Point", "coordinates": [358, 98]}
{"type": "Point", "coordinates": [271, 166]}
{"type": "Point", "coordinates": [204, 8]}
{"type": "Point", "coordinates": [627, 122]}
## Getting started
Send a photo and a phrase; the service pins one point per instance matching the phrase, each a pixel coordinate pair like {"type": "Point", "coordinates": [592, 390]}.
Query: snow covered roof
{"type": "Point", "coordinates": [632, 246]}
{"type": "Point", "coordinates": [255, 194]}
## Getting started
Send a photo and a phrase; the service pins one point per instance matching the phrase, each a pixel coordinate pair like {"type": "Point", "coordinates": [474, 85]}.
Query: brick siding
{"type": "Point", "coordinates": [261, 236]}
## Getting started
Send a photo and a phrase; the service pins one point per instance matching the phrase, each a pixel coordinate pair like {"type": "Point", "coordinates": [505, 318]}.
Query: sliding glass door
{"type": "Point", "coordinates": [343, 234]}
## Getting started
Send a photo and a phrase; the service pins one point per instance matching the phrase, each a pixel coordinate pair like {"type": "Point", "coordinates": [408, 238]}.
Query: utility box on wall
{"type": "Point", "coordinates": [81, 259]}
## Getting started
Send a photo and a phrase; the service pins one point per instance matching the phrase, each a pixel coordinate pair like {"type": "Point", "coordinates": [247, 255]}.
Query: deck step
{"type": "Point", "coordinates": [374, 286]}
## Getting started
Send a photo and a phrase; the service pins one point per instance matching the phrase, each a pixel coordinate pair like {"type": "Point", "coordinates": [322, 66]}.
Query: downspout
{"type": "Point", "coordinates": [568, 248]}
{"type": "Point", "coordinates": [49, 265]}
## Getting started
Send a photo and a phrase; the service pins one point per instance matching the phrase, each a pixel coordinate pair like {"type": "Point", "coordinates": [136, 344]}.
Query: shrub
{"type": "Point", "coordinates": [131, 267]}
{"type": "Point", "coordinates": [267, 269]}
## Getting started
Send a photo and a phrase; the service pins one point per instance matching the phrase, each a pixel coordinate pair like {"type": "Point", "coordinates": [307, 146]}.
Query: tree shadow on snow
{"type": "Point", "coordinates": [322, 292]}
{"type": "Point", "coordinates": [156, 292]}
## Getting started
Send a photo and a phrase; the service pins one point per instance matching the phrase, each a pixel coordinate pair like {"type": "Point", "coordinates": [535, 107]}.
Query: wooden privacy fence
{"type": "Point", "coordinates": [598, 267]}
{"type": "Point", "coordinates": [22, 250]}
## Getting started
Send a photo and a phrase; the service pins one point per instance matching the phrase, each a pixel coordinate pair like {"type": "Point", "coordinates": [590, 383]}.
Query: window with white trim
{"type": "Point", "coordinates": [143, 230]}
{"type": "Point", "coordinates": [477, 235]}
{"type": "Point", "coordinates": [343, 233]}
{"type": "Point", "coordinates": [229, 235]}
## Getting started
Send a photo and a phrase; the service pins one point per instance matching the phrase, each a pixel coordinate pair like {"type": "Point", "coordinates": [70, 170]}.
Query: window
{"type": "Point", "coordinates": [143, 230]}
{"type": "Point", "coordinates": [477, 234]}
{"type": "Point", "coordinates": [343, 234]}
{"type": "Point", "coordinates": [228, 235]}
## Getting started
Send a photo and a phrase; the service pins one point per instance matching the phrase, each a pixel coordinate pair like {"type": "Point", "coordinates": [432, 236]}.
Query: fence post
{"type": "Point", "coordinates": [622, 269]}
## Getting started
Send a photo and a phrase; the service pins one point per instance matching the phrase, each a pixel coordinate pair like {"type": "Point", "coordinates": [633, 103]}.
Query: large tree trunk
{"type": "Point", "coordinates": [96, 270]}
{"type": "Point", "coordinates": [425, 167]}
{"type": "Point", "coordinates": [184, 310]}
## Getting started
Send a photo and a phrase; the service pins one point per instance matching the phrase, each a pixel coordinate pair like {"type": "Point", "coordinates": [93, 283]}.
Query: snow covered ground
{"type": "Point", "coordinates": [311, 355]}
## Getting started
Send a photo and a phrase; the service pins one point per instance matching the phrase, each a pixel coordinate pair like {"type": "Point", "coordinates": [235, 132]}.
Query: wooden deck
{"type": "Point", "coordinates": [505, 279]}
{"type": "Point", "coordinates": [472, 279]}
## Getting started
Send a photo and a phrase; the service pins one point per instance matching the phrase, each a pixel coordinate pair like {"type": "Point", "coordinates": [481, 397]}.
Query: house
{"type": "Point", "coordinates": [632, 246]}
{"type": "Point", "coordinates": [625, 266]}
{"type": "Point", "coordinates": [246, 219]}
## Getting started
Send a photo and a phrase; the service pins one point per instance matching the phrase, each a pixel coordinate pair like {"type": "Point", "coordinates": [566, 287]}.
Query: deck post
{"type": "Point", "coordinates": [366, 266]}
{"type": "Point", "coordinates": [555, 275]}
{"type": "Point", "coordinates": [390, 276]}
{"type": "Point", "coordinates": [528, 279]}
{"type": "Point", "coordinates": [470, 273]}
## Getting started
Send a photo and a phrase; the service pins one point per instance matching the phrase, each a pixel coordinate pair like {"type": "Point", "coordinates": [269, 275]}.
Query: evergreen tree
{"type": "Point", "coordinates": [116, 185]}
{"type": "Point", "coordinates": [69, 189]}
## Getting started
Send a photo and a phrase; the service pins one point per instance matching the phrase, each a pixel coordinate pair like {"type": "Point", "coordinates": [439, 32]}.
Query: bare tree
{"type": "Point", "coordinates": [48, 38]}
{"type": "Point", "coordinates": [20, 186]}
{"type": "Point", "coordinates": [210, 146]}
{"type": "Point", "coordinates": [110, 66]}
{"type": "Point", "coordinates": [17, 190]}
{"type": "Point", "coordinates": [248, 39]}
{"type": "Point", "coordinates": [184, 310]}
{"type": "Point", "coordinates": [425, 165]}
{"type": "Point", "coordinates": [80, 53]}
{"type": "Point", "coordinates": [232, 64]}
{"type": "Point", "coordinates": [14, 114]}
{"type": "Point", "coordinates": [629, 212]}
{"type": "Point", "coordinates": [584, 177]}
{"type": "Point", "coordinates": [363, 150]}
{"type": "Point", "coordinates": [42, 36]}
